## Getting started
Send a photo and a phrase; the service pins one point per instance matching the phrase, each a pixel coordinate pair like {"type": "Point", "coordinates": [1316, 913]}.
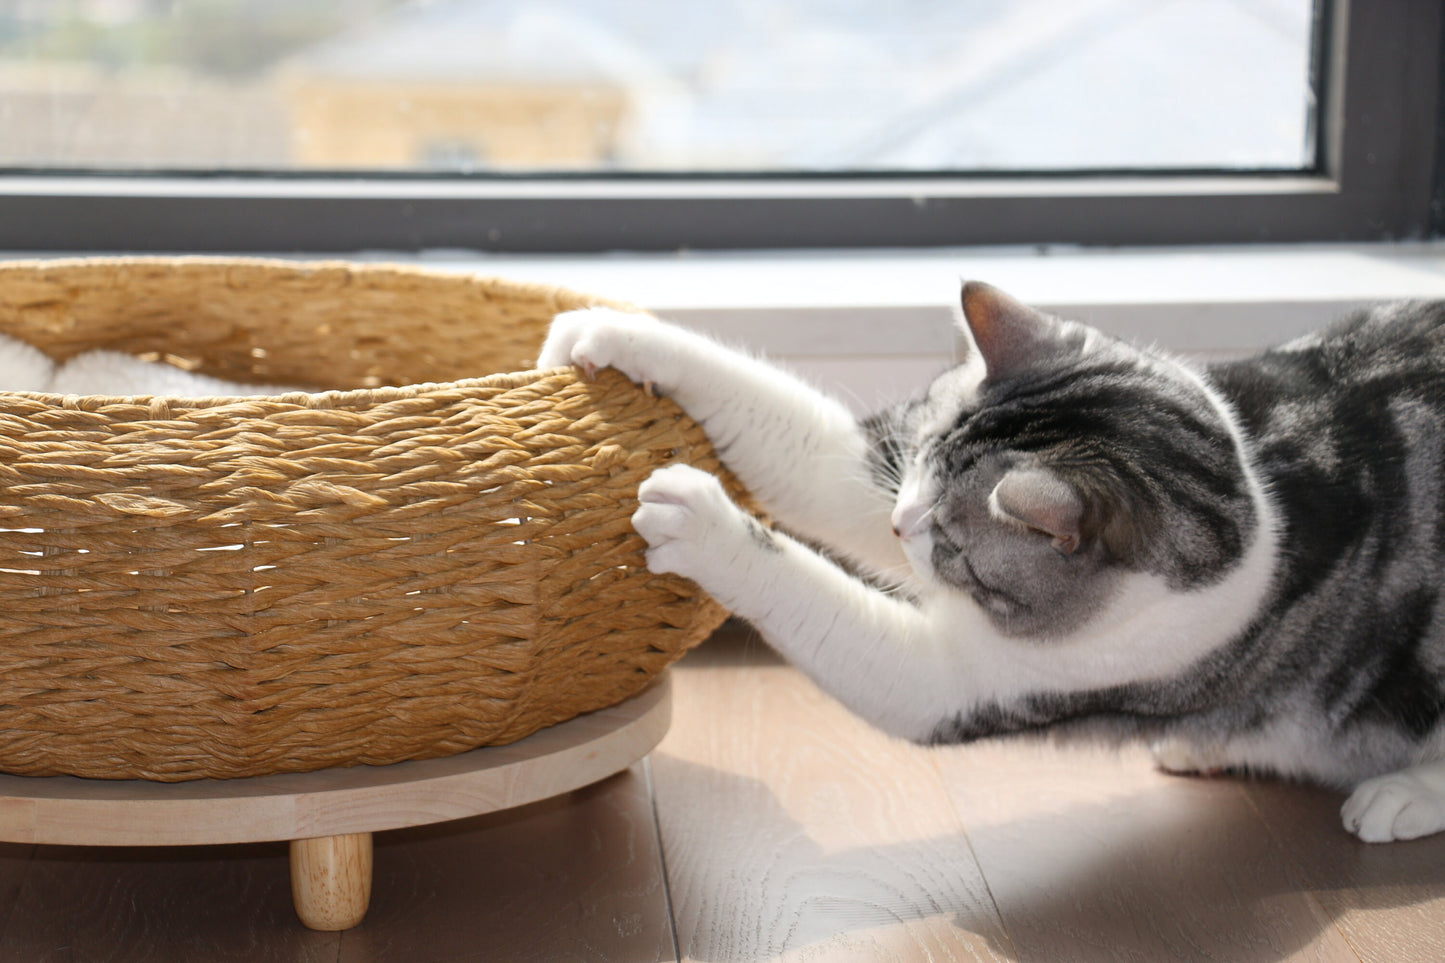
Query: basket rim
{"type": "Point", "coordinates": [338, 398]}
{"type": "Point", "coordinates": [282, 264]}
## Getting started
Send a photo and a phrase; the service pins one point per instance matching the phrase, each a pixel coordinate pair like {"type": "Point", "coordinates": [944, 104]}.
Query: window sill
{"type": "Point", "coordinates": [875, 325]}
{"type": "Point", "coordinates": [891, 302]}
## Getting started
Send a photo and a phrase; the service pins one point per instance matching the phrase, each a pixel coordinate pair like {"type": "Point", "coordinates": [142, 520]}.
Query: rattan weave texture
{"type": "Point", "coordinates": [231, 587]}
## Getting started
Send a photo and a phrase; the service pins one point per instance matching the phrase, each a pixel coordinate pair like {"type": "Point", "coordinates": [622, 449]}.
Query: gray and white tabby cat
{"type": "Point", "coordinates": [1241, 563]}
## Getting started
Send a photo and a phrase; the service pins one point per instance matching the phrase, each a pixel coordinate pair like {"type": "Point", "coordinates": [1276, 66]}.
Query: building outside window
{"type": "Point", "coordinates": [485, 123]}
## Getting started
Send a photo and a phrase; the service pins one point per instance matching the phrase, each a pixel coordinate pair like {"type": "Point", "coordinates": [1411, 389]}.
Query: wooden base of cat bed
{"type": "Point", "coordinates": [329, 815]}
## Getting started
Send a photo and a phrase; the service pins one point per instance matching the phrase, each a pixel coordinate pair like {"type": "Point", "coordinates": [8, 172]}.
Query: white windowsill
{"type": "Point", "coordinates": [876, 325]}
{"type": "Point", "coordinates": [900, 302]}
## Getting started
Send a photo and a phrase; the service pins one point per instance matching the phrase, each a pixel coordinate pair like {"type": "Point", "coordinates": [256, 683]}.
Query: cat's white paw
{"type": "Point", "coordinates": [1180, 758]}
{"type": "Point", "coordinates": [597, 338]}
{"type": "Point", "coordinates": [1401, 805]}
{"type": "Point", "coordinates": [693, 528]}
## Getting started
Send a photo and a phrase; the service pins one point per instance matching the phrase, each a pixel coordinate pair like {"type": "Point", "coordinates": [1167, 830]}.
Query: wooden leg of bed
{"type": "Point", "coordinates": [331, 880]}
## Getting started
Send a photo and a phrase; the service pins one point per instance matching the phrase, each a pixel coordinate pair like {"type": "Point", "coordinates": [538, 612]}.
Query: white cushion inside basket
{"type": "Point", "coordinates": [26, 368]}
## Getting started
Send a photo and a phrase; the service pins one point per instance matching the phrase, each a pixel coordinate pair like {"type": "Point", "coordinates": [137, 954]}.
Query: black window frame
{"type": "Point", "coordinates": [1378, 176]}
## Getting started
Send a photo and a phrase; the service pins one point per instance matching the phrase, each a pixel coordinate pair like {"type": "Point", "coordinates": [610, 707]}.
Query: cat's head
{"type": "Point", "coordinates": [1056, 462]}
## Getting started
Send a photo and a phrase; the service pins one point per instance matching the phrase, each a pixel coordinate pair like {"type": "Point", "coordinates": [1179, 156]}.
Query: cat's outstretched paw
{"type": "Point", "coordinates": [597, 338]}
{"type": "Point", "coordinates": [693, 528]}
{"type": "Point", "coordinates": [1401, 805]}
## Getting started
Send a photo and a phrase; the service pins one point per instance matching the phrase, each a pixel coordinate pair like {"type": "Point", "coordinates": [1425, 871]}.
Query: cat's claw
{"type": "Point", "coordinates": [597, 338]}
{"type": "Point", "coordinates": [1400, 805]}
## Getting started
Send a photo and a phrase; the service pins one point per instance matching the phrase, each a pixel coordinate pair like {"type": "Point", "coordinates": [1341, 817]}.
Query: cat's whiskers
{"type": "Point", "coordinates": [882, 475]}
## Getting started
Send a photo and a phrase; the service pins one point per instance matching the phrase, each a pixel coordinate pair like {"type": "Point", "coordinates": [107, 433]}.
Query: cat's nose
{"type": "Point", "coordinates": [910, 519]}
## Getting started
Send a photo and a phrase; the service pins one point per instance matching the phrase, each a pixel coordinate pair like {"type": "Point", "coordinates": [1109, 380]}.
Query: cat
{"type": "Point", "coordinates": [1240, 563]}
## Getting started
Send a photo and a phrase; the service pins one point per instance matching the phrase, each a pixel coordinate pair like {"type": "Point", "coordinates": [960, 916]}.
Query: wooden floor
{"type": "Point", "coordinates": [771, 824]}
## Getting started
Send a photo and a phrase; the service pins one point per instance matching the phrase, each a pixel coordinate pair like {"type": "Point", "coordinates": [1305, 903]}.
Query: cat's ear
{"type": "Point", "coordinates": [1010, 335]}
{"type": "Point", "coordinates": [1038, 499]}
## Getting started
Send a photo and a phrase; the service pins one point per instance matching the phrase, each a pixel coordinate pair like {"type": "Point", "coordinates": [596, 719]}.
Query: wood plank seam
{"type": "Point", "coordinates": [662, 857]}
{"type": "Point", "coordinates": [973, 854]}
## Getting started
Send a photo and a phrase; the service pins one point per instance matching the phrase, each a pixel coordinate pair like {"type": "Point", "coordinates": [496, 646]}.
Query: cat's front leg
{"type": "Point", "coordinates": [876, 654]}
{"type": "Point", "coordinates": [800, 453]}
{"type": "Point", "coordinates": [1400, 805]}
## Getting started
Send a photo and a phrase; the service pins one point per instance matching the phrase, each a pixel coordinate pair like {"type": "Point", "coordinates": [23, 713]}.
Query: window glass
{"type": "Point", "coordinates": [517, 86]}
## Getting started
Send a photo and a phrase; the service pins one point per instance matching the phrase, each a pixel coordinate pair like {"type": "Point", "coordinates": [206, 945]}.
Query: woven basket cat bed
{"type": "Point", "coordinates": [237, 587]}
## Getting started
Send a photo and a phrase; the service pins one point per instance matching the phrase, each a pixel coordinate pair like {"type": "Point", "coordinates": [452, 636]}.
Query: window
{"type": "Point", "coordinates": [606, 124]}
{"type": "Point", "coordinates": [622, 85]}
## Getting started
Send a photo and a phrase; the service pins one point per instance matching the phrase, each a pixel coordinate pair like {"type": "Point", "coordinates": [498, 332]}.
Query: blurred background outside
{"type": "Point", "coordinates": [601, 86]}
